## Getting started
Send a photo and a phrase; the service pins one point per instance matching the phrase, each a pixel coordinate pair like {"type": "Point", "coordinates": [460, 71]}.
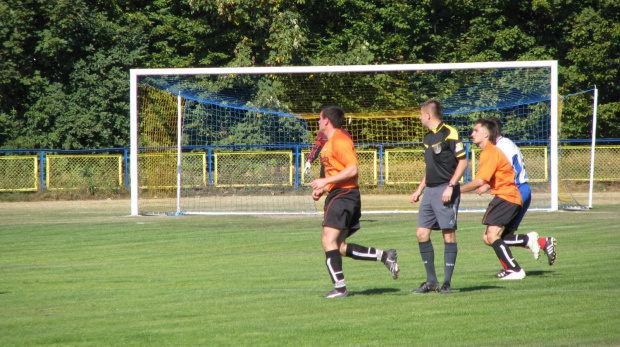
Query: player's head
{"type": "Point", "coordinates": [335, 115]}
{"type": "Point", "coordinates": [434, 107]}
{"type": "Point", "coordinates": [484, 128]}
{"type": "Point", "coordinates": [498, 124]}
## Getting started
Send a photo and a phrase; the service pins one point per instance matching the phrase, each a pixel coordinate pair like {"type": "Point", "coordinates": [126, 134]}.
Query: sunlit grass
{"type": "Point", "coordinates": [87, 274]}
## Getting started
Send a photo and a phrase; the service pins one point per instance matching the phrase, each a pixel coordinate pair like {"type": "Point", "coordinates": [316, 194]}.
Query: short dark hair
{"type": "Point", "coordinates": [335, 114]}
{"type": "Point", "coordinates": [498, 123]}
{"type": "Point", "coordinates": [434, 107]}
{"type": "Point", "coordinates": [490, 126]}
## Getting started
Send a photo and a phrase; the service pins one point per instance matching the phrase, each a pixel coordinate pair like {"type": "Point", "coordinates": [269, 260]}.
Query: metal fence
{"type": "Point", "coordinates": [108, 169]}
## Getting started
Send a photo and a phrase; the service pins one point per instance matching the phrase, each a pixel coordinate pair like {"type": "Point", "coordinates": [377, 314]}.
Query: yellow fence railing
{"type": "Point", "coordinates": [395, 167]}
{"type": "Point", "coordinates": [19, 173]}
{"type": "Point", "coordinates": [91, 172]}
{"type": "Point", "coordinates": [240, 169]}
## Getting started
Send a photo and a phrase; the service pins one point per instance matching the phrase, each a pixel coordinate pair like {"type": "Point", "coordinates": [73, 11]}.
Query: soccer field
{"type": "Point", "coordinates": [86, 274]}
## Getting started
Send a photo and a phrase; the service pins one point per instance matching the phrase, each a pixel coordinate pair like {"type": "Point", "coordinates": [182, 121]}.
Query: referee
{"type": "Point", "coordinates": [446, 162]}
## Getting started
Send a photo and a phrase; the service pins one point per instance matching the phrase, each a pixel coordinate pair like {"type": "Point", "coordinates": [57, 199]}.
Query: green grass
{"type": "Point", "coordinates": [84, 273]}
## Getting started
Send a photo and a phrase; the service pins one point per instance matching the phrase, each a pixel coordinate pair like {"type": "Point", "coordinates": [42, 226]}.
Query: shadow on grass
{"type": "Point", "coordinates": [375, 291]}
{"type": "Point", "coordinates": [478, 288]}
{"type": "Point", "coordinates": [538, 273]}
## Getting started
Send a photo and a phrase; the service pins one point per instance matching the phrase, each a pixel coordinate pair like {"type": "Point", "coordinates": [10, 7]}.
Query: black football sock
{"type": "Point", "coordinates": [519, 240]}
{"type": "Point", "coordinates": [333, 260]}
{"type": "Point", "coordinates": [363, 253]}
{"type": "Point", "coordinates": [449, 257]}
{"type": "Point", "coordinates": [505, 255]}
{"type": "Point", "coordinates": [427, 252]}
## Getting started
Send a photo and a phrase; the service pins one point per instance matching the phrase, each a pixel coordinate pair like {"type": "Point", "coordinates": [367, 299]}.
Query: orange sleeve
{"type": "Point", "coordinates": [486, 167]}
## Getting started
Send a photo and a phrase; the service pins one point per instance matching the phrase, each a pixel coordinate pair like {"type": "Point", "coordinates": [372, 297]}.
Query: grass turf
{"type": "Point", "coordinates": [85, 274]}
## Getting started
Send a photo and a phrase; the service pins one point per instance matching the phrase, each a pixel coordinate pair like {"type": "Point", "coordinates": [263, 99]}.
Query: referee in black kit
{"type": "Point", "coordinates": [446, 162]}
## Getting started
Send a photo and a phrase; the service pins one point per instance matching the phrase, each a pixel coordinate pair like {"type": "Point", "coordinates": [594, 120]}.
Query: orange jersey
{"type": "Point", "coordinates": [496, 169]}
{"type": "Point", "coordinates": [337, 154]}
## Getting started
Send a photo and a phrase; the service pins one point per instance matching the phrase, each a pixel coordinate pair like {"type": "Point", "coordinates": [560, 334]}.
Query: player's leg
{"type": "Point", "coordinates": [446, 218]}
{"type": "Point", "coordinates": [333, 260]}
{"type": "Point", "coordinates": [512, 268]}
{"type": "Point", "coordinates": [427, 221]}
{"type": "Point", "coordinates": [529, 240]}
{"type": "Point", "coordinates": [336, 227]}
{"type": "Point", "coordinates": [351, 202]}
{"type": "Point", "coordinates": [427, 253]}
{"type": "Point", "coordinates": [450, 252]}
{"type": "Point", "coordinates": [388, 257]}
{"type": "Point", "coordinates": [501, 213]}
{"type": "Point", "coordinates": [548, 244]}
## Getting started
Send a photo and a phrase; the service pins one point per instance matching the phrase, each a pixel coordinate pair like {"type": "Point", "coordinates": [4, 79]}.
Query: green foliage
{"type": "Point", "coordinates": [64, 64]}
{"type": "Point", "coordinates": [72, 87]}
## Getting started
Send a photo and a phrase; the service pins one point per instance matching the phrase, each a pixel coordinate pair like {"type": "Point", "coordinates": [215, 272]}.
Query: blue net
{"type": "Point", "coordinates": [269, 121]}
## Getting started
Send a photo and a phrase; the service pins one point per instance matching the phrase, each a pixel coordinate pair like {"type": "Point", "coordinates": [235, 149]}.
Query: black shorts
{"type": "Point", "coordinates": [501, 213]}
{"type": "Point", "coordinates": [343, 209]}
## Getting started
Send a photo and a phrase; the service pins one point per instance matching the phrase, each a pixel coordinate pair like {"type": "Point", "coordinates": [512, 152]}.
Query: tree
{"type": "Point", "coordinates": [64, 65]}
{"type": "Point", "coordinates": [72, 86]}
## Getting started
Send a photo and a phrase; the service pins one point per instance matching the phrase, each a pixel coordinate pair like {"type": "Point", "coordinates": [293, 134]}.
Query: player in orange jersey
{"type": "Point", "coordinates": [343, 204]}
{"type": "Point", "coordinates": [503, 211]}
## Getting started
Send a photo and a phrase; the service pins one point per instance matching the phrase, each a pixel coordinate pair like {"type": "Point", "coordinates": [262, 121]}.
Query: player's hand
{"type": "Point", "coordinates": [307, 168]}
{"type": "Point", "coordinates": [316, 194]}
{"type": "Point", "coordinates": [319, 183]}
{"type": "Point", "coordinates": [415, 197]}
{"type": "Point", "coordinates": [446, 197]}
{"type": "Point", "coordinates": [483, 189]}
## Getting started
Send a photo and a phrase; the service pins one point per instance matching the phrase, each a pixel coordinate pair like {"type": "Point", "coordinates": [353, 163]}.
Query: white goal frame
{"type": "Point", "coordinates": [136, 73]}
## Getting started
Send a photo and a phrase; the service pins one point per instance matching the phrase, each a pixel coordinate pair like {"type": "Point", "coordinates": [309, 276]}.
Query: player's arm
{"type": "Point", "coordinates": [415, 197]}
{"type": "Point", "coordinates": [473, 185]}
{"type": "Point", "coordinates": [348, 172]}
{"type": "Point", "coordinates": [483, 188]}
{"type": "Point", "coordinates": [317, 193]}
{"type": "Point", "coordinates": [316, 151]}
{"type": "Point", "coordinates": [461, 166]}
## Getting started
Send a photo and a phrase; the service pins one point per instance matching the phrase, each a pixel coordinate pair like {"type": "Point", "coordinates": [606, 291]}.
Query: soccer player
{"type": "Point", "coordinates": [445, 160]}
{"type": "Point", "coordinates": [343, 204]}
{"type": "Point", "coordinates": [503, 211]}
{"type": "Point", "coordinates": [531, 240]}
{"type": "Point", "coordinates": [316, 151]}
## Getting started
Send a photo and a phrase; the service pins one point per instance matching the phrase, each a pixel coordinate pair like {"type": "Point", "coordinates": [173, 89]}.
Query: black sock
{"type": "Point", "coordinates": [449, 258]}
{"type": "Point", "coordinates": [361, 253]}
{"type": "Point", "coordinates": [519, 240]}
{"type": "Point", "coordinates": [505, 255]}
{"type": "Point", "coordinates": [333, 260]}
{"type": "Point", "coordinates": [427, 252]}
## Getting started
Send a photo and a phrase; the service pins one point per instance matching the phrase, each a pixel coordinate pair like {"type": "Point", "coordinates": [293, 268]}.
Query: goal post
{"type": "Point", "coordinates": [376, 93]}
{"type": "Point", "coordinates": [577, 162]}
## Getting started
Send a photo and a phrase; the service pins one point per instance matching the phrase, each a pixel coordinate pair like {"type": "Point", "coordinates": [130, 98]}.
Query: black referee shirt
{"type": "Point", "coordinates": [442, 149]}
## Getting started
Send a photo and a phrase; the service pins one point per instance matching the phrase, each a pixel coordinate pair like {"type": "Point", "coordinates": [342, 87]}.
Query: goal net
{"type": "Point", "coordinates": [235, 140]}
{"type": "Point", "coordinates": [576, 162]}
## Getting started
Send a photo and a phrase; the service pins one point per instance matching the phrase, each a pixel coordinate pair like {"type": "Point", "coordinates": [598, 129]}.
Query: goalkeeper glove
{"type": "Point", "coordinates": [307, 168]}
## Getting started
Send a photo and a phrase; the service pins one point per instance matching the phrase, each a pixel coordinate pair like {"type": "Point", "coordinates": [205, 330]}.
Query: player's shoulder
{"type": "Point", "coordinates": [321, 137]}
{"type": "Point", "coordinates": [504, 141]}
{"type": "Point", "coordinates": [450, 132]}
{"type": "Point", "coordinates": [342, 135]}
